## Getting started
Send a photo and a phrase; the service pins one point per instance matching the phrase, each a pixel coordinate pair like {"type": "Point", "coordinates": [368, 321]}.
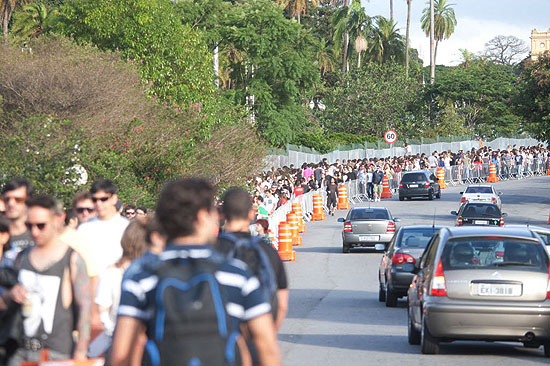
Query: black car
{"type": "Point", "coordinates": [419, 184]}
{"type": "Point", "coordinates": [396, 268]}
{"type": "Point", "coordinates": [477, 213]}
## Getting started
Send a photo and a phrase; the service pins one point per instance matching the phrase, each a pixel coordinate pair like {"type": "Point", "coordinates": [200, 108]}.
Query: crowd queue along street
{"type": "Point", "coordinates": [440, 259]}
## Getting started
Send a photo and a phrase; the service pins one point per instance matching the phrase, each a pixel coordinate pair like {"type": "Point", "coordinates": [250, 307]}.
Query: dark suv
{"type": "Point", "coordinates": [419, 184]}
{"type": "Point", "coordinates": [397, 265]}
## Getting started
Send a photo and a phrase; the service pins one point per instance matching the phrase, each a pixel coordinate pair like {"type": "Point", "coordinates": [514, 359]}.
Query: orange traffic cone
{"type": "Point", "coordinates": [492, 174]}
{"type": "Point", "coordinates": [386, 188]}
{"type": "Point", "coordinates": [343, 203]}
{"type": "Point", "coordinates": [285, 243]}
{"type": "Point", "coordinates": [548, 220]}
{"type": "Point", "coordinates": [318, 213]}
{"type": "Point", "coordinates": [441, 178]}
{"type": "Point", "coordinates": [294, 227]}
{"type": "Point", "coordinates": [297, 209]}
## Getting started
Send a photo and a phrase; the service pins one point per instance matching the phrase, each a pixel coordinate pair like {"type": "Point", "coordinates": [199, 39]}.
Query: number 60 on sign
{"type": "Point", "coordinates": [390, 136]}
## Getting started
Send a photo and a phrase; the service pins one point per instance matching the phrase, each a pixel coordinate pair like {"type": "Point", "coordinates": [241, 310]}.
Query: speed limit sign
{"type": "Point", "coordinates": [390, 136]}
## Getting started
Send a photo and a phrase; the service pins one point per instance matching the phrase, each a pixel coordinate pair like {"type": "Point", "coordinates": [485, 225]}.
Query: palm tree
{"type": "Point", "coordinates": [444, 22]}
{"type": "Point", "coordinates": [386, 42]}
{"type": "Point", "coordinates": [32, 20]}
{"type": "Point", "coordinates": [6, 10]}
{"type": "Point", "coordinates": [352, 23]}
{"type": "Point", "coordinates": [408, 37]}
{"type": "Point", "coordinates": [326, 58]}
{"type": "Point", "coordinates": [296, 8]}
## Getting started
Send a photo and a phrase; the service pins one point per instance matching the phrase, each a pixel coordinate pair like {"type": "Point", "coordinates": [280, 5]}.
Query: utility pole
{"type": "Point", "coordinates": [432, 50]}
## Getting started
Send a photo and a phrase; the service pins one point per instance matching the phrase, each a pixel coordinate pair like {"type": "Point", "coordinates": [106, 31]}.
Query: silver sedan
{"type": "Point", "coordinates": [371, 227]}
{"type": "Point", "coordinates": [481, 283]}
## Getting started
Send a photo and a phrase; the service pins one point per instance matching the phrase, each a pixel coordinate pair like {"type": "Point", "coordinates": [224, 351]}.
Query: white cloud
{"type": "Point", "coordinates": [470, 33]}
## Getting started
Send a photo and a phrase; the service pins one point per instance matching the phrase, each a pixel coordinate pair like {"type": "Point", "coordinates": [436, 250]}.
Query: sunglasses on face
{"type": "Point", "coordinates": [130, 213]}
{"type": "Point", "coordinates": [82, 209]}
{"type": "Point", "coordinates": [16, 199]}
{"type": "Point", "coordinates": [41, 226]}
{"type": "Point", "coordinates": [102, 199]}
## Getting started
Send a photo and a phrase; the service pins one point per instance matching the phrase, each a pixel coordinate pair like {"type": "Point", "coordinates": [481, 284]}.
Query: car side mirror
{"type": "Point", "coordinates": [500, 193]}
{"type": "Point", "coordinates": [454, 213]}
{"type": "Point", "coordinates": [460, 192]}
{"type": "Point", "coordinates": [504, 214]}
{"type": "Point", "coordinates": [396, 219]}
{"type": "Point", "coordinates": [341, 219]}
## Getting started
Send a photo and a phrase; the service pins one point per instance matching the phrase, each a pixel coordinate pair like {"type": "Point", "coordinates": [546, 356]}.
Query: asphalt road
{"type": "Point", "coordinates": [334, 315]}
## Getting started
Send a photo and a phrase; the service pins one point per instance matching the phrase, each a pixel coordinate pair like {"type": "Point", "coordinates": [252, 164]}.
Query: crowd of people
{"type": "Point", "coordinates": [275, 187]}
{"type": "Point", "coordinates": [192, 281]}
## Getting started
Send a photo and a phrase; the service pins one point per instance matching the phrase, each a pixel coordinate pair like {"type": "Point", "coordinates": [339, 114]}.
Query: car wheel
{"type": "Point", "coordinates": [391, 298]}
{"type": "Point", "coordinates": [431, 195]}
{"type": "Point", "coordinates": [345, 248]}
{"type": "Point", "coordinates": [547, 349]}
{"type": "Point", "coordinates": [438, 195]}
{"type": "Point", "coordinates": [381, 293]}
{"type": "Point", "coordinates": [401, 198]}
{"type": "Point", "coordinates": [429, 344]}
{"type": "Point", "coordinates": [413, 333]}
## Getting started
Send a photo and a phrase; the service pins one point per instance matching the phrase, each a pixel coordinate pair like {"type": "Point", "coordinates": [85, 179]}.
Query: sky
{"type": "Point", "coordinates": [478, 21]}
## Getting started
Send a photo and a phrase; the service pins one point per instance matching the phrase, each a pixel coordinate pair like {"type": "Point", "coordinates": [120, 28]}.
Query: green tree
{"type": "Point", "coordinates": [276, 72]}
{"type": "Point", "coordinates": [444, 21]}
{"type": "Point", "coordinates": [371, 100]}
{"type": "Point", "coordinates": [33, 20]}
{"type": "Point", "coordinates": [7, 7]}
{"type": "Point", "coordinates": [386, 43]}
{"type": "Point", "coordinates": [171, 57]}
{"type": "Point", "coordinates": [532, 97]}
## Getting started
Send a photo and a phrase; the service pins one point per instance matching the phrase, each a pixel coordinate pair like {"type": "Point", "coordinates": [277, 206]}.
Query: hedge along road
{"type": "Point", "coordinates": [334, 315]}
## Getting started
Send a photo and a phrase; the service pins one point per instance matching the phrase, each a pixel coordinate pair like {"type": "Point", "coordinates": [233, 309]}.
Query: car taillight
{"type": "Point", "coordinates": [499, 255]}
{"type": "Point", "coordinates": [501, 221]}
{"type": "Point", "coordinates": [463, 200]}
{"type": "Point", "coordinates": [548, 286]}
{"type": "Point", "coordinates": [401, 186]}
{"type": "Point", "coordinates": [427, 184]}
{"type": "Point", "coordinates": [494, 200]}
{"type": "Point", "coordinates": [459, 220]}
{"type": "Point", "coordinates": [391, 227]}
{"type": "Point", "coordinates": [401, 258]}
{"type": "Point", "coordinates": [438, 282]}
{"type": "Point", "coordinates": [347, 227]}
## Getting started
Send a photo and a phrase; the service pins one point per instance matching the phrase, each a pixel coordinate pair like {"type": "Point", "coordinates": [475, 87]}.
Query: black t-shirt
{"type": "Point", "coordinates": [225, 246]}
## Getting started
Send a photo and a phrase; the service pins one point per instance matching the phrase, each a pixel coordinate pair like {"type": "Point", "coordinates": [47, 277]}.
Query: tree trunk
{"type": "Point", "coordinates": [359, 59]}
{"type": "Point", "coordinates": [391, 9]}
{"type": "Point", "coordinates": [408, 37]}
{"type": "Point", "coordinates": [432, 53]}
{"type": "Point", "coordinates": [346, 41]}
{"type": "Point", "coordinates": [5, 21]}
{"type": "Point", "coordinates": [216, 65]}
{"type": "Point", "coordinates": [435, 52]}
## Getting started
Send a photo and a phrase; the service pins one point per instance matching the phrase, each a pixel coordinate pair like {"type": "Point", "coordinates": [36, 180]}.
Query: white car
{"type": "Point", "coordinates": [543, 232]}
{"type": "Point", "coordinates": [481, 193]}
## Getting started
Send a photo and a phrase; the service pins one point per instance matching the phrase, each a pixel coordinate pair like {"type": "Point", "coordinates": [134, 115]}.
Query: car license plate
{"type": "Point", "coordinates": [481, 222]}
{"type": "Point", "coordinates": [369, 238]}
{"type": "Point", "coordinates": [491, 289]}
{"type": "Point", "coordinates": [413, 185]}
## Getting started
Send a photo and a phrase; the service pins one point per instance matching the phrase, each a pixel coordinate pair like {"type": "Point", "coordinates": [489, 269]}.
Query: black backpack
{"type": "Point", "coordinates": [190, 323]}
{"type": "Point", "coordinates": [250, 252]}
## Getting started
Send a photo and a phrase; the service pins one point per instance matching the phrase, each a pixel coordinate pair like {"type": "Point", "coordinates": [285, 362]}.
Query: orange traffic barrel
{"type": "Point", "coordinates": [294, 226]}
{"type": "Point", "coordinates": [386, 188]}
{"type": "Point", "coordinates": [343, 203]}
{"type": "Point", "coordinates": [492, 173]}
{"type": "Point", "coordinates": [272, 238]}
{"type": "Point", "coordinates": [285, 243]}
{"type": "Point", "coordinates": [297, 209]}
{"type": "Point", "coordinates": [441, 178]}
{"type": "Point", "coordinates": [318, 213]}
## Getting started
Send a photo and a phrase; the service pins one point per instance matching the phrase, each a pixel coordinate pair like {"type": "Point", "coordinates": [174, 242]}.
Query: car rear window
{"type": "Point", "coordinates": [413, 177]}
{"type": "Point", "coordinates": [473, 210]}
{"type": "Point", "coordinates": [369, 215]}
{"type": "Point", "coordinates": [494, 252]}
{"type": "Point", "coordinates": [415, 238]}
{"type": "Point", "coordinates": [479, 190]}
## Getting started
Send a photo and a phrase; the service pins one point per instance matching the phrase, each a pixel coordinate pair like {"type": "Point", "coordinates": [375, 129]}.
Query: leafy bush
{"type": "Point", "coordinates": [324, 143]}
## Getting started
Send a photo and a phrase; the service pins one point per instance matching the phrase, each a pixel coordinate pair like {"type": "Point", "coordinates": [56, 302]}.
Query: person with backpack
{"type": "Point", "coordinates": [190, 300]}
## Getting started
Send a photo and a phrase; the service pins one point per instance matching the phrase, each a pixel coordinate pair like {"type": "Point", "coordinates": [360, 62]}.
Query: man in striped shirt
{"type": "Point", "coordinates": [189, 219]}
